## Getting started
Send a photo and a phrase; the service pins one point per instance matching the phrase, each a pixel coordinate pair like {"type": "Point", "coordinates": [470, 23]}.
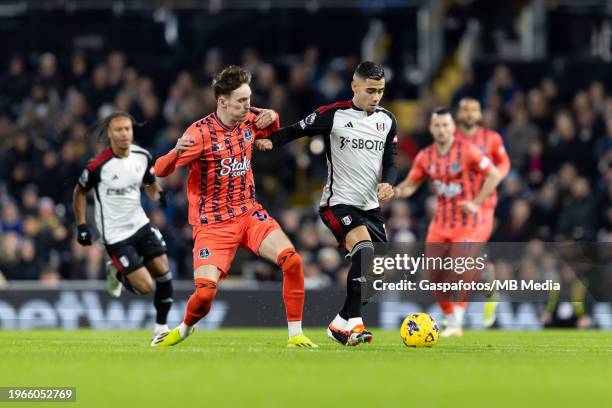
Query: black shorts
{"type": "Point", "coordinates": [341, 219]}
{"type": "Point", "coordinates": [131, 253]}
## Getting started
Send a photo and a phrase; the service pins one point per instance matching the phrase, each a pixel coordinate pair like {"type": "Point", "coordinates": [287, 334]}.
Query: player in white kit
{"type": "Point", "coordinates": [137, 249]}
{"type": "Point", "coordinates": [360, 146]}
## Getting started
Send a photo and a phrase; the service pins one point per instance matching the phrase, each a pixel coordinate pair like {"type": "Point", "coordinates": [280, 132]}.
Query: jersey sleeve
{"type": "Point", "coordinates": [319, 122]}
{"type": "Point", "coordinates": [389, 169]}
{"type": "Point", "coordinates": [499, 156]}
{"type": "Point", "coordinates": [149, 176]}
{"type": "Point", "coordinates": [476, 160]}
{"type": "Point", "coordinates": [418, 172]}
{"type": "Point", "coordinates": [89, 178]}
{"type": "Point", "coordinates": [167, 164]}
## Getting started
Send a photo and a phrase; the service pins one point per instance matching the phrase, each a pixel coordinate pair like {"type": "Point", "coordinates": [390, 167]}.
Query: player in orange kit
{"type": "Point", "coordinates": [223, 209]}
{"type": "Point", "coordinates": [469, 118]}
{"type": "Point", "coordinates": [452, 166]}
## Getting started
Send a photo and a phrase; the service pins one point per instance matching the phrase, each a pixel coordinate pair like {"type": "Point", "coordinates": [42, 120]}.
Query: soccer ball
{"type": "Point", "coordinates": [419, 330]}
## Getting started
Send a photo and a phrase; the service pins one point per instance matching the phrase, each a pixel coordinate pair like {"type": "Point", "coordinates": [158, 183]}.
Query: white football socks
{"type": "Point", "coordinates": [160, 328]}
{"type": "Point", "coordinates": [295, 328]}
{"type": "Point", "coordinates": [184, 330]}
{"type": "Point", "coordinates": [339, 323]}
{"type": "Point", "coordinates": [352, 322]}
{"type": "Point", "coordinates": [459, 313]}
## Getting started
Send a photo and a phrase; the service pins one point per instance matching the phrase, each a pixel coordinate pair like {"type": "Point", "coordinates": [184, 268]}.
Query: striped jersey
{"type": "Point", "coordinates": [492, 145]}
{"type": "Point", "coordinates": [453, 179]}
{"type": "Point", "coordinates": [221, 184]}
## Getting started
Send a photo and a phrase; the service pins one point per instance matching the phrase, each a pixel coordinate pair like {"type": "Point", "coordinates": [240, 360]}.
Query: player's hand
{"type": "Point", "coordinates": [264, 144]}
{"type": "Point", "coordinates": [468, 207]}
{"type": "Point", "coordinates": [163, 199]}
{"type": "Point", "coordinates": [83, 235]}
{"type": "Point", "coordinates": [264, 118]}
{"type": "Point", "coordinates": [385, 191]}
{"type": "Point", "coordinates": [183, 144]}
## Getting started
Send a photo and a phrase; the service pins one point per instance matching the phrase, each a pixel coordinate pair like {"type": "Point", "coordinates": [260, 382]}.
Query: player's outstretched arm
{"type": "Point", "coordinates": [415, 178]}
{"type": "Point", "coordinates": [407, 187]}
{"type": "Point", "coordinates": [187, 149]}
{"type": "Point", "coordinates": [79, 204]}
{"type": "Point", "coordinates": [319, 122]}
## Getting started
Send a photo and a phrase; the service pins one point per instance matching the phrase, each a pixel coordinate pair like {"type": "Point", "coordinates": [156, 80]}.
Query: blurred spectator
{"type": "Point", "coordinates": [40, 111]}
{"type": "Point", "coordinates": [576, 219]}
{"type": "Point", "coordinates": [14, 87]}
{"type": "Point", "coordinates": [520, 134]}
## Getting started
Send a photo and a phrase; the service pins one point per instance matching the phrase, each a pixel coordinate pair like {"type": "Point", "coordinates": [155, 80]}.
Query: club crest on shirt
{"type": "Point", "coordinates": [310, 118]}
{"type": "Point", "coordinates": [455, 167]}
{"type": "Point", "coordinates": [203, 253]}
{"type": "Point", "coordinates": [347, 220]}
{"type": "Point", "coordinates": [381, 127]}
{"type": "Point", "coordinates": [217, 147]}
{"type": "Point", "coordinates": [248, 136]}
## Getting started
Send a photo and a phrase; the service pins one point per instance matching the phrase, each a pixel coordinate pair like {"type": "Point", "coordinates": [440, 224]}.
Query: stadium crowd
{"type": "Point", "coordinates": [560, 144]}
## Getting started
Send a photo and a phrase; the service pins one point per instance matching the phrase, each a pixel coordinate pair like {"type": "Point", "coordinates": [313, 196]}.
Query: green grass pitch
{"type": "Point", "coordinates": [252, 368]}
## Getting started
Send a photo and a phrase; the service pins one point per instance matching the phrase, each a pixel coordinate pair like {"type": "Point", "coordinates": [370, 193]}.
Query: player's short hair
{"type": "Point", "coordinates": [230, 79]}
{"type": "Point", "coordinates": [441, 111]}
{"type": "Point", "coordinates": [100, 128]}
{"type": "Point", "coordinates": [370, 70]}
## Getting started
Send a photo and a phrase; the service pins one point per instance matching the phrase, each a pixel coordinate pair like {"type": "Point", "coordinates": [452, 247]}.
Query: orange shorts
{"type": "Point", "coordinates": [216, 244]}
{"type": "Point", "coordinates": [437, 234]}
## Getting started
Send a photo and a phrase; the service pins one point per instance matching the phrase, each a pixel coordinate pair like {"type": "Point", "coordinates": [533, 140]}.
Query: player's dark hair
{"type": "Point", "coordinates": [370, 70]}
{"type": "Point", "coordinates": [441, 111]}
{"type": "Point", "coordinates": [99, 129]}
{"type": "Point", "coordinates": [230, 79]}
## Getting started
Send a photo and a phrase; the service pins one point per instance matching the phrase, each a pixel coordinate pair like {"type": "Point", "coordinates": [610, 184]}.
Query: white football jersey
{"type": "Point", "coordinates": [355, 143]}
{"type": "Point", "coordinates": [116, 182]}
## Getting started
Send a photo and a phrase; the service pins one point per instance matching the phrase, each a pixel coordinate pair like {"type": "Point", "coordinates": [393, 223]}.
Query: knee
{"type": "Point", "coordinates": [206, 290]}
{"type": "Point", "coordinates": [144, 286]}
{"type": "Point", "coordinates": [290, 261]}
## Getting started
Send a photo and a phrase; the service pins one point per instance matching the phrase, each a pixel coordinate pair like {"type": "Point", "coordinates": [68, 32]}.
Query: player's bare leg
{"type": "Point", "coordinates": [206, 278]}
{"type": "Point", "coordinates": [348, 324]}
{"type": "Point", "coordinates": [277, 248]}
{"type": "Point", "coordinates": [159, 271]}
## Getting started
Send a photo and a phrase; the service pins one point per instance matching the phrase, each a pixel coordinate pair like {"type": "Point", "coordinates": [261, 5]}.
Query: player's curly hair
{"type": "Point", "coordinates": [99, 130]}
{"type": "Point", "coordinates": [230, 79]}
{"type": "Point", "coordinates": [370, 70]}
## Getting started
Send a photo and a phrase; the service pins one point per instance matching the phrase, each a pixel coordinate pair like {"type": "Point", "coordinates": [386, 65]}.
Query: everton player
{"type": "Point", "coordinates": [223, 209]}
{"type": "Point", "coordinates": [469, 118]}
{"type": "Point", "coordinates": [452, 165]}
